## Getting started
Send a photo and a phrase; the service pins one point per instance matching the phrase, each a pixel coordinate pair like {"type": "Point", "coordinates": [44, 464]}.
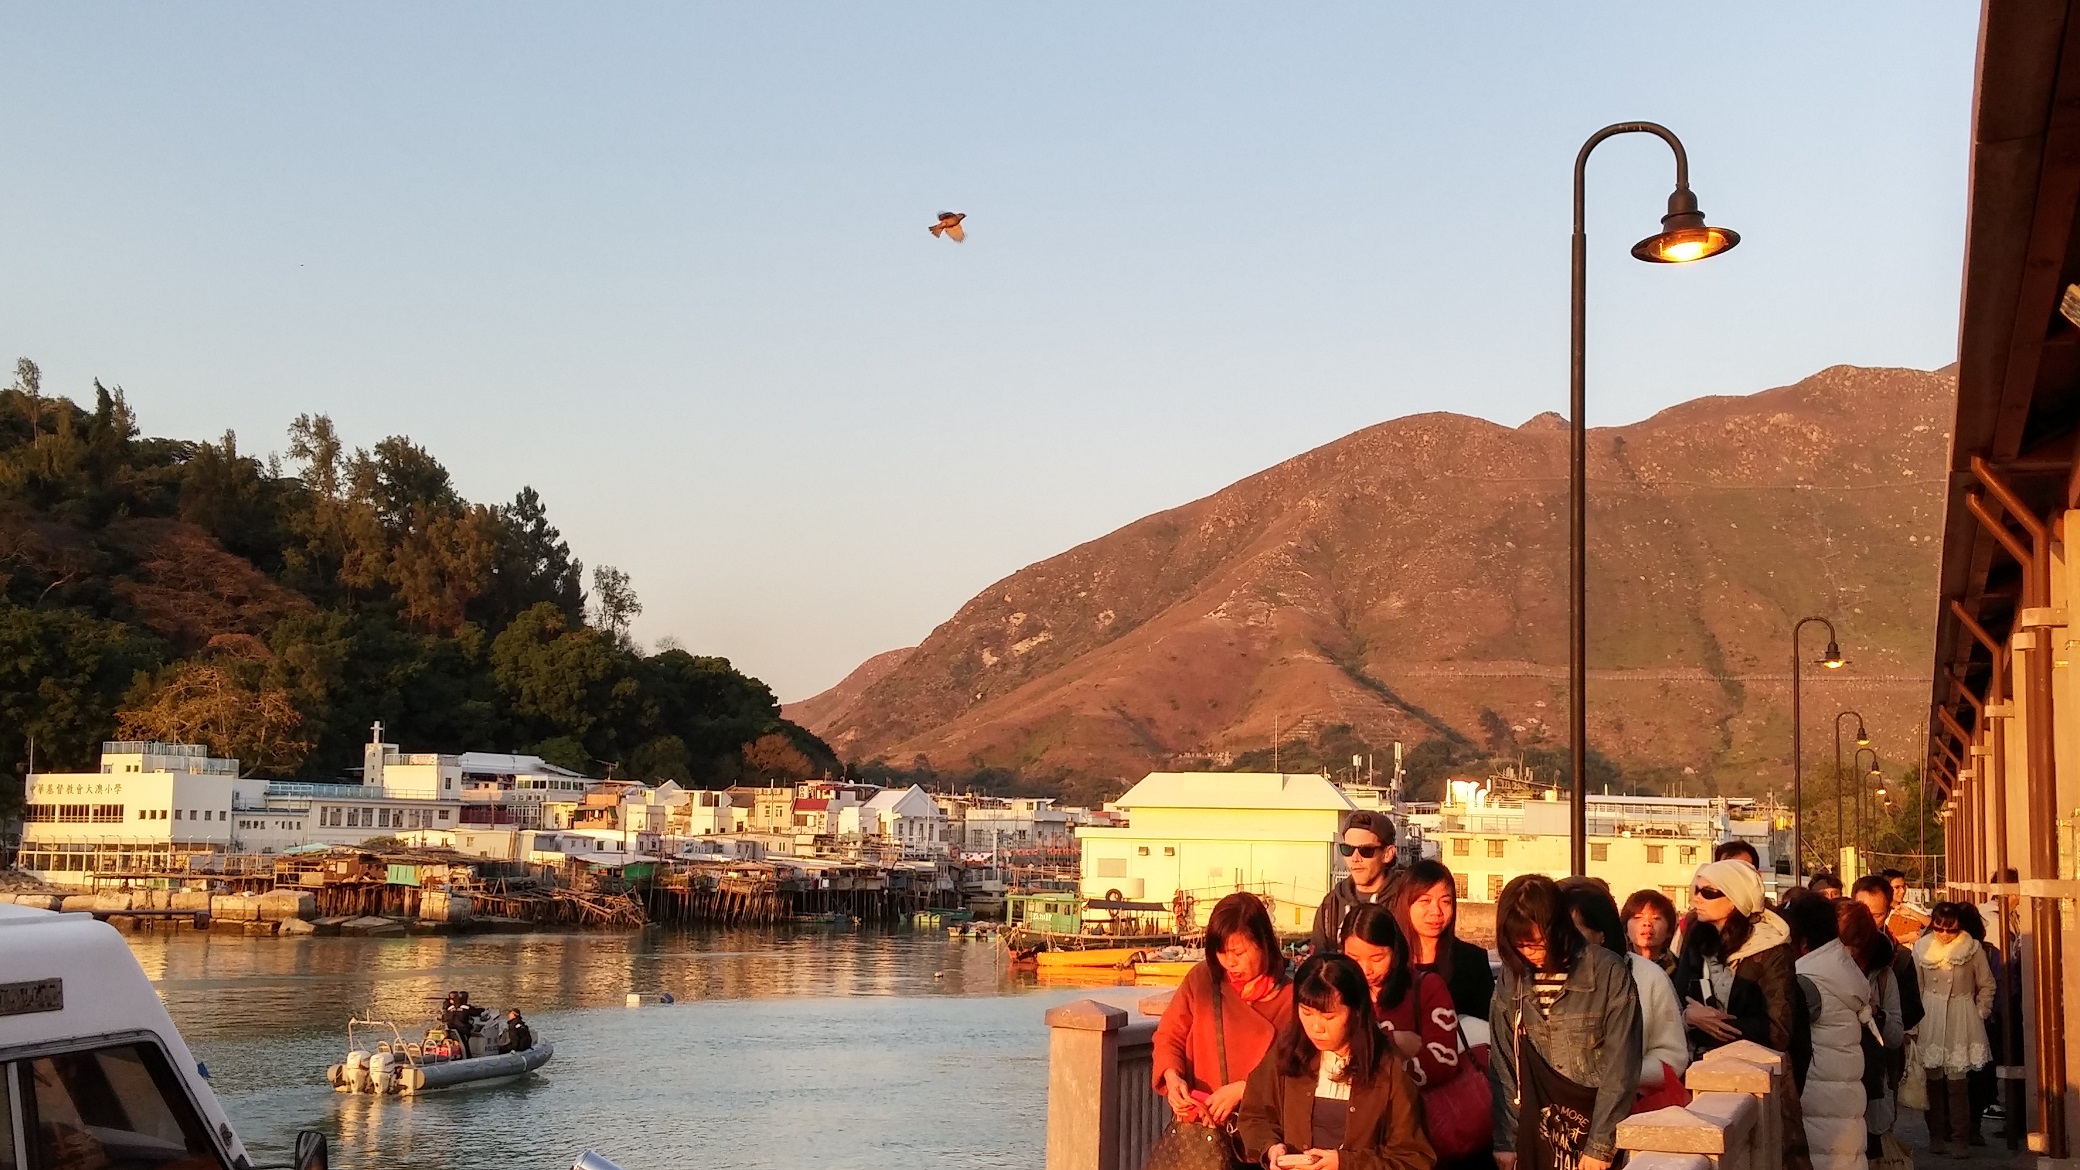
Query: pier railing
{"type": "Point", "coordinates": [1102, 1113]}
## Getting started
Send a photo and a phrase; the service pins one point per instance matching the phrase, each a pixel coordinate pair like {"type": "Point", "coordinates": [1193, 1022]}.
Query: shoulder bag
{"type": "Point", "coordinates": [1458, 1114]}
{"type": "Point", "coordinates": [1188, 1145]}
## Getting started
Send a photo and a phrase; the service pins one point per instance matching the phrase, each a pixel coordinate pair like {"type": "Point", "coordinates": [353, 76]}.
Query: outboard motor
{"type": "Point", "coordinates": [354, 1074]}
{"type": "Point", "coordinates": [382, 1072]}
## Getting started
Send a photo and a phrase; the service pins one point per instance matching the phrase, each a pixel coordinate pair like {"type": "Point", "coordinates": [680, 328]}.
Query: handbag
{"type": "Point", "coordinates": [1458, 1114]}
{"type": "Point", "coordinates": [1188, 1145]}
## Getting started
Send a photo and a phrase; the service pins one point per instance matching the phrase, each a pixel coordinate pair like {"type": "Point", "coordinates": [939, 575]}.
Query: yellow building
{"type": "Point", "coordinates": [1635, 842]}
{"type": "Point", "coordinates": [1208, 834]}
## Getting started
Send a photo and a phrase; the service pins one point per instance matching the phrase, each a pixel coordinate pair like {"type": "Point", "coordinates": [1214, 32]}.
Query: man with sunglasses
{"type": "Point", "coordinates": [1367, 849]}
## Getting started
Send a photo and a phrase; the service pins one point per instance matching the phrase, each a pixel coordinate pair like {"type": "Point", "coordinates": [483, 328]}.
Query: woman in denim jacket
{"type": "Point", "coordinates": [1566, 1049]}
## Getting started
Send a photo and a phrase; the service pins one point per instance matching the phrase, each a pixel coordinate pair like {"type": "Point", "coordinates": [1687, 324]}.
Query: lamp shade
{"type": "Point", "coordinates": [1684, 235]}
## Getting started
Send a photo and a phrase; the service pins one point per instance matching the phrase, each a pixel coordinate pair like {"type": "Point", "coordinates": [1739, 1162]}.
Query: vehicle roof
{"type": "Point", "coordinates": [105, 992]}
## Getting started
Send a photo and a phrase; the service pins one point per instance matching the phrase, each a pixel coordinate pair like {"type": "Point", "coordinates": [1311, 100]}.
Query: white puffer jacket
{"type": "Point", "coordinates": [1833, 1098]}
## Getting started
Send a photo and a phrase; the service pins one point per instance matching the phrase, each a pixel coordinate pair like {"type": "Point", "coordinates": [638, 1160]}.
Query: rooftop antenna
{"type": "Point", "coordinates": [1274, 744]}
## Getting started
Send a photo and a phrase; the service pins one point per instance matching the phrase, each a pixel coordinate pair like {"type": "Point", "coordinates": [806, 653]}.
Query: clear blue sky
{"type": "Point", "coordinates": [667, 263]}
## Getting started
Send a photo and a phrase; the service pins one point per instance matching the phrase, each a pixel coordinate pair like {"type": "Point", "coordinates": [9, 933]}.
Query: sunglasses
{"type": "Point", "coordinates": [1368, 852]}
{"type": "Point", "coordinates": [1708, 893]}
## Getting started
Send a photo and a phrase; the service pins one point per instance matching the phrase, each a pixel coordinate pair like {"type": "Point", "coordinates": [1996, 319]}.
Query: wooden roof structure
{"type": "Point", "coordinates": [2018, 373]}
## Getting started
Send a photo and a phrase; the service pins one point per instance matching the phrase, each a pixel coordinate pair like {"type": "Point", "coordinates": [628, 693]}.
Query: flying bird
{"type": "Point", "coordinates": [950, 224]}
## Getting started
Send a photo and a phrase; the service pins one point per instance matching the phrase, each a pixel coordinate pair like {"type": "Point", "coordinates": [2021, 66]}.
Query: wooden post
{"type": "Point", "coordinates": [1082, 1093]}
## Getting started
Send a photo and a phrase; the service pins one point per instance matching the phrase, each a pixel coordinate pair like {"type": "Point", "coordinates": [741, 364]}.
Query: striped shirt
{"type": "Point", "coordinates": [1547, 987]}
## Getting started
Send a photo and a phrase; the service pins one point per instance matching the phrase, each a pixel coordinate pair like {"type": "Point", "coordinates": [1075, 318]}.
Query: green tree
{"type": "Point", "coordinates": [62, 676]}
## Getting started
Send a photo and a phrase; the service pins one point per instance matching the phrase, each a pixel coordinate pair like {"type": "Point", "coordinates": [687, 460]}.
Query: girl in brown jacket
{"type": "Point", "coordinates": [1331, 1095]}
{"type": "Point", "coordinates": [1205, 1049]}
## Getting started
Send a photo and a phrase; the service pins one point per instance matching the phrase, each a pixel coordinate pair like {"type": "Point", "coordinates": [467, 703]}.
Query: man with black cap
{"type": "Point", "coordinates": [1367, 846]}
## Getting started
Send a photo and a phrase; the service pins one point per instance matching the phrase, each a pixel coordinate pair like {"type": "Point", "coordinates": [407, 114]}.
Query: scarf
{"type": "Point", "coordinates": [1957, 952]}
{"type": "Point", "coordinates": [1255, 989]}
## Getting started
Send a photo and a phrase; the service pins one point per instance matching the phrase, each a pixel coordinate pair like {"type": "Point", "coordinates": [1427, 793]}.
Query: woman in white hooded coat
{"type": "Point", "coordinates": [1839, 997]}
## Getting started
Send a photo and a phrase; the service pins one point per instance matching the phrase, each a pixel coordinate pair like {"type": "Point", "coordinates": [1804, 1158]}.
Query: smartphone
{"type": "Point", "coordinates": [1295, 1161]}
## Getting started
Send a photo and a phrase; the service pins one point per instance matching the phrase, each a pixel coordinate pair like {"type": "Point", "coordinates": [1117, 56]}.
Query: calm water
{"type": "Point", "coordinates": [836, 1049]}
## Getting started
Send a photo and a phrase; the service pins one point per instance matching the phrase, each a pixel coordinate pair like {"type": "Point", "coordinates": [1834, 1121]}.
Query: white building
{"type": "Point", "coordinates": [148, 804]}
{"type": "Point", "coordinates": [1634, 842]}
{"type": "Point", "coordinates": [1208, 834]}
{"type": "Point", "coordinates": [907, 817]}
{"type": "Point", "coordinates": [153, 804]}
{"type": "Point", "coordinates": [1016, 824]}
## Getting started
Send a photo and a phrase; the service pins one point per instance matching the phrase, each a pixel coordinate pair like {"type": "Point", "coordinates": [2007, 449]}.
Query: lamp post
{"type": "Point", "coordinates": [1684, 237]}
{"type": "Point", "coordinates": [1863, 779]}
{"type": "Point", "coordinates": [1863, 739]}
{"type": "Point", "coordinates": [1831, 659]}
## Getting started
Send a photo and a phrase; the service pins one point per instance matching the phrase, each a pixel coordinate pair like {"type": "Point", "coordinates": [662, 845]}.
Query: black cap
{"type": "Point", "coordinates": [1375, 823]}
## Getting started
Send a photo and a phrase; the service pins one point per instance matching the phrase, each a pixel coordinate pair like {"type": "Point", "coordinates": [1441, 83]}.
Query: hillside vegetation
{"type": "Point", "coordinates": [157, 588]}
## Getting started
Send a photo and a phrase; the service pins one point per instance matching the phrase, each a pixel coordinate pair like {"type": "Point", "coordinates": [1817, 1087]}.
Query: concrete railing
{"type": "Point", "coordinates": [1101, 1112]}
{"type": "Point", "coordinates": [1735, 1119]}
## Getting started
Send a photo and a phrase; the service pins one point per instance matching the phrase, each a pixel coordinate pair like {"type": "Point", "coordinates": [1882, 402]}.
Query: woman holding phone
{"type": "Point", "coordinates": [1225, 1015]}
{"type": "Point", "coordinates": [1331, 1095]}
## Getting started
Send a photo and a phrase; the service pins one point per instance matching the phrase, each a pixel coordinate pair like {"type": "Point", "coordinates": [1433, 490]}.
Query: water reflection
{"type": "Point", "coordinates": [788, 1048]}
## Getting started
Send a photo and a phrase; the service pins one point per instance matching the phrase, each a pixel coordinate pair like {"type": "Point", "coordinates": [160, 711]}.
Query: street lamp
{"type": "Point", "coordinates": [1863, 841]}
{"type": "Point", "coordinates": [1684, 237]}
{"type": "Point", "coordinates": [1830, 659]}
{"type": "Point", "coordinates": [1863, 739]}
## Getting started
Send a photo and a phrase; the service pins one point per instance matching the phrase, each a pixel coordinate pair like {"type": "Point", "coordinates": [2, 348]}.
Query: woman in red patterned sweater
{"type": "Point", "coordinates": [1415, 1013]}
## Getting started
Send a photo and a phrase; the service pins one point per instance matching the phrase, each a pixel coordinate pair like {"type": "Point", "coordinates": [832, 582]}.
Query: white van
{"type": "Point", "coordinates": [92, 1071]}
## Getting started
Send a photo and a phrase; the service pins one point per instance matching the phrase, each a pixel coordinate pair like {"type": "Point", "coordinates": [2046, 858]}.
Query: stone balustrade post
{"type": "Point", "coordinates": [1734, 1121]}
{"type": "Point", "coordinates": [1082, 1085]}
{"type": "Point", "coordinates": [1762, 1073]}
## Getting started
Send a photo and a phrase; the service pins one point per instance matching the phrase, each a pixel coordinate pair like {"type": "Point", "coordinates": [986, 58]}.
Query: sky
{"type": "Point", "coordinates": [667, 263]}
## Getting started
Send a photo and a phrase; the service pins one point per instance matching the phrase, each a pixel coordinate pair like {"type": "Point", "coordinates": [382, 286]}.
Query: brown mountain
{"type": "Point", "coordinates": [828, 705]}
{"type": "Point", "coordinates": [1409, 581]}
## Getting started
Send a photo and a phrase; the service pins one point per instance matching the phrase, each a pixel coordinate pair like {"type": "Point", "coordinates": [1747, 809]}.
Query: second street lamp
{"type": "Point", "coordinates": [1831, 659]}
{"type": "Point", "coordinates": [1863, 784]}
{"type": "Point", "coordinates": [1684, 237]}
{"type": "Point", "coordinates": [1863, 739]}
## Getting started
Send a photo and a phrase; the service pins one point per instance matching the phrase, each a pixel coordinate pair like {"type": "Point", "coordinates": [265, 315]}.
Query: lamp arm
{"type": "Point", "coordinates": [1581, 161]}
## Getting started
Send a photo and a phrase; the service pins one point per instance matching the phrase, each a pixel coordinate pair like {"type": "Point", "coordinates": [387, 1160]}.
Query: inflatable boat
{"type": "Point", "coordinates": [395, 1067]}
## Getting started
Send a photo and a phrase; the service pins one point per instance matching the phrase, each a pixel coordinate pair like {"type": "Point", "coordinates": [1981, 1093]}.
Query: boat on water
{"type": "Point", "coordinates": [390, 1065]}
{"type": "Point", "coordinates": [108, 1077]}
{"type": "Point", "coordinates": [1055, 922]}
{"type": "Point", "coordinates": [1167, 965]}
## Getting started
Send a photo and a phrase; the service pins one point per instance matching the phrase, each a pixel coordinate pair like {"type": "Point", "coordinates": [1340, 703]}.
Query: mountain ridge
{"type": "Point", "coordinates": [1407, 582]}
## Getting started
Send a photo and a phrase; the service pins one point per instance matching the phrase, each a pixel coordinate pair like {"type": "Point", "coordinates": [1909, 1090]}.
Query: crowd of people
{"type": "Point", "coordinates": [1395, 1046]}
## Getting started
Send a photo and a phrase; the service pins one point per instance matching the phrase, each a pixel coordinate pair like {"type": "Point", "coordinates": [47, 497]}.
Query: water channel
{"type": "Point", "coordinates": [789, 1049]}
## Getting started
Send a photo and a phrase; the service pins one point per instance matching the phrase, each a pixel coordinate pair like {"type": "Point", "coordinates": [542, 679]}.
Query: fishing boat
{"type": "Point", "coordinates": [1054, 922]}
{"type": "Point", "coordinates": [394, 1066]}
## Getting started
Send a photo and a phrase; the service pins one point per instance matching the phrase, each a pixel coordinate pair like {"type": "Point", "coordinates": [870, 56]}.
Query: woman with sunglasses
{"type": "Point", "coordinates": [1736, 979]}
{"type": "Point", "coordinates": [1957, 1000]}
{"type": "Point", "coordinates": [1225, 1015]}
{"type": "Point", "coordinates": [1427, 908]}
{"type": "Point", "coordinates": [1564, 1060]}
